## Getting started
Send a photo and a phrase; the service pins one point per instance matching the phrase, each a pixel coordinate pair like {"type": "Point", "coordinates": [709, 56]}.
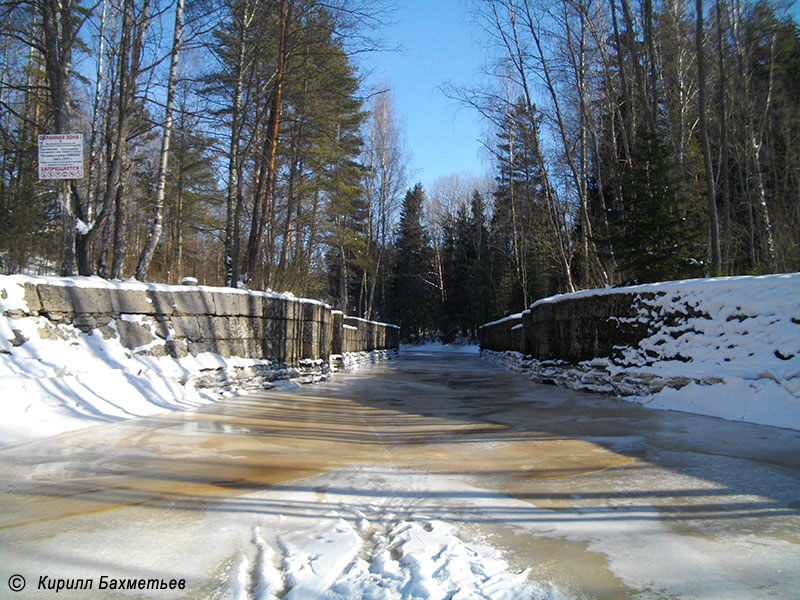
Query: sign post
{"type": "Point", "coordinates": [61, 156]}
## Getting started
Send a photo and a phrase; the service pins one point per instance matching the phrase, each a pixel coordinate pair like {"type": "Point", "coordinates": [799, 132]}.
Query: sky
{"type": "Point", "coordinates": [437, 42]}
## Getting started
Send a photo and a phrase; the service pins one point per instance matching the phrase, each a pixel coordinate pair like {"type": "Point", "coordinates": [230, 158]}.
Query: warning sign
{"type": "Point", "coordinates": [61, 156]}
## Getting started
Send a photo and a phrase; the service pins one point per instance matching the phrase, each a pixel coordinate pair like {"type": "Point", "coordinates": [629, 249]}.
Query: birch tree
{"type": "Point", "coordinates": [154, 235]}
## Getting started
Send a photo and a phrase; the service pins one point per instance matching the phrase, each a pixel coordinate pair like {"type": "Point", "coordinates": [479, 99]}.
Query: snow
{"type": "Point", "coordinates": [440, 347]}
{"type": "Point", "coordinates": [734, 354]}
{"type": "Point", "coordinates": [368, 321]}
{"type": "Point", "coordinates": [95, 282]}
{"type": "Point", "coordinates": [76, 380]}
{"type": "Point", "coordinates": [68, 380]}
{"type": "Point", "coordinates": [698, 288]}
{"type": "Point", "coordinates": [513, 317]}
{"type": "Point", "coordinates": [82, 227]}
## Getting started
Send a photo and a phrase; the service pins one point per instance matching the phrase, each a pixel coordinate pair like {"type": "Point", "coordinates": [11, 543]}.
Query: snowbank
{"type": "Point", "coordinates": [78, 351]}
{"type": "Point", "coordinates": [75, 380]}
{"type": "Point", "coordinates": [726, 347]}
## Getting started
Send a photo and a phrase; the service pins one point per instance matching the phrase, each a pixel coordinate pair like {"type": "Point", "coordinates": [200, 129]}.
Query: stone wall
{"type": "Point", "coordinates": [579, 328]}
{"type": "Point", "coordinates": [168, 320]}
{"type": "Point", "coordinates": [640, 340]}
{"type": "Point", "coordinates": [511, 333]}
{"type": "Point", "coordinates": [360, 335]}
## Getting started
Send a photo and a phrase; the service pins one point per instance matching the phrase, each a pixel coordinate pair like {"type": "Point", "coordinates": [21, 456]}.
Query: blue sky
{"type": "Point", "coordinates": [438, 43]}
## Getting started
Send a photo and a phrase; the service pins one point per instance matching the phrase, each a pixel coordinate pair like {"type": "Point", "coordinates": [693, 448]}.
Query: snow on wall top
{"type": "Point", "coordinates": [748, 291]}
{"type": "Point", "coordinates": [368, 321]}
{"type": "Point", "coordinates": [15, 298]}
{"type": "Point", "coordinates": [504, 319]}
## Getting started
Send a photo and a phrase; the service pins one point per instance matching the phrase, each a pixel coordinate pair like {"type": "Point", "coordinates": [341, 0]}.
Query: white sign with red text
{"type": "Point", "coordinates": [61, 156]}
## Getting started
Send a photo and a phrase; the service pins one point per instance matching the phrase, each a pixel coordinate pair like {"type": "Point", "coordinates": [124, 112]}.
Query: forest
{"type": "Point", "coordinates": [236, 141]}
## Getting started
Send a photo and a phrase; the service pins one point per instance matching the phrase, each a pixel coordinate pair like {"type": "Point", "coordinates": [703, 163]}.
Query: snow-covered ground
{"type": "Point", "coordinates": [68, 379]}
{"type": "Point", "coordinates": [726, 347]}
{"type": "Point", "coordinates": [349, 545]}
{"type": "Point", "coordinates": [440, 347]}
{"type": "Point", "coordinates": [721, 526]}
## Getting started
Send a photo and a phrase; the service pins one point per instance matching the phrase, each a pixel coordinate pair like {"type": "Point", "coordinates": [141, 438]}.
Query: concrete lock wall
{"type": "Point", "coordinates": [177, 321]}
{"type": "Point", "coordinates": [362, 335]}
{"type": "Point", "coordinates": [574, 329]}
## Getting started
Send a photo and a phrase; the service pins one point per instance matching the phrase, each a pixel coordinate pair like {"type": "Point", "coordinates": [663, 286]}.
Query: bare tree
{"type": "Point", "coordinates": [385, 185]}
{"type": "Point", "coordinates": [713, 223]}
{"type": "Point", "coordinates": [154, 235]}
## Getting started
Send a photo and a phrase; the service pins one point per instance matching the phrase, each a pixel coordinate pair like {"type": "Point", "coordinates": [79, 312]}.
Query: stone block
{"type": "Point", "coordinates": [193, 302]}
{"type": "Point", "coordinates": [196, 347]}
{"type": "Point", "coordinates": [91, 300]}
{"type": "Point", "coordinates": [239, 304]}
{"type": "Point", "coordinates": [177, 348]}
{"type": "Point", "coordinates": [310, 347]}
{"type": "Point", "coordinates": [188, 328]}
{"type": "Point", "coordinates": [55, 299]}
{"type": "Point", "coordinates": [273, 348]}
{"type": "Point", "coordinates": [312, 311]}
{"type": "Point", "coordinates": [274, 329]}
{"type": "Point", "coordinates": [542, 313]}
{"type": "Point", "coordinates": [132, 302]}
{"type": "Point", "coordinates": [248, 348]}
{"type": "Point", "coordinates": [160, 302]}
{"type": "Point", "coordinates": [294, 330]}
{"type": "Point", "coordinates": [246, 327]}
{"type": "Point", "coordinates": [84, 322]}
{"type": "Point", "coordinates": [31, 297]}
{"type": "Point", "coordinates": [337, 332]}
{"type": "Point", "coordinates": [309, 331]}
{"type": "Point", "coordinates": [281, 308]}
{"type": "Point", "coordinates": [133, 335]}
{"type": "Point", "coordinates": [228, 328]}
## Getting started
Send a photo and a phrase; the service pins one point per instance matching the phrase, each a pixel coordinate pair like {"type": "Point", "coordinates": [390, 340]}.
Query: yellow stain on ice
{"type": "Point", "coordinates": [181, 460]}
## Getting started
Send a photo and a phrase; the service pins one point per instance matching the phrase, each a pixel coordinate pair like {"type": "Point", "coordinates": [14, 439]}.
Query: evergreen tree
{"type": "Point", "coordinates": [467, 272]}
{"type": "Point", "coordinates": [652, 232]}
{"type": "Point", "coordinates": [413, 290]}
{"type": "Point", "coordinates": [520, 230]}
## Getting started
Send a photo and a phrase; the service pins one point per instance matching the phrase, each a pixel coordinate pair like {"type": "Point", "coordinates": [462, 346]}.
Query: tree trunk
{"type": "Point", "coordinates": [154, 235]}
{"type": "Point", "coordinates": [724, 150]}
{"type": "Point", "coordinates": [258, 225]}
{"type": "Point", "coordinates": [713, 223]}
{"type": "Point", "coordinates": [233, 191]}
{"type": "Point", "coordinates": [59, 26]}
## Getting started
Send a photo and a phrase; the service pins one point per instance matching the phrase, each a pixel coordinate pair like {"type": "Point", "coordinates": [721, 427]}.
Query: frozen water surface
{"type": "Point", "coordinates": [435, 476]}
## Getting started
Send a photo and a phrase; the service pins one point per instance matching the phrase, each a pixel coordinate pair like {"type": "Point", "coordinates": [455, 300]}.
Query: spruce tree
{"type": "Point", "coordinates": [413, 289]}
{"type": "Point", "coordinates": [521, 233]}
{"type": "Point", "coordinates": [652, 236]}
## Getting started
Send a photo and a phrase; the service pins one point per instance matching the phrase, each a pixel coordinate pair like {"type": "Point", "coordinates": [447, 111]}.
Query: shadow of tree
{"type": "Point", "coordinates": [443, 415]}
